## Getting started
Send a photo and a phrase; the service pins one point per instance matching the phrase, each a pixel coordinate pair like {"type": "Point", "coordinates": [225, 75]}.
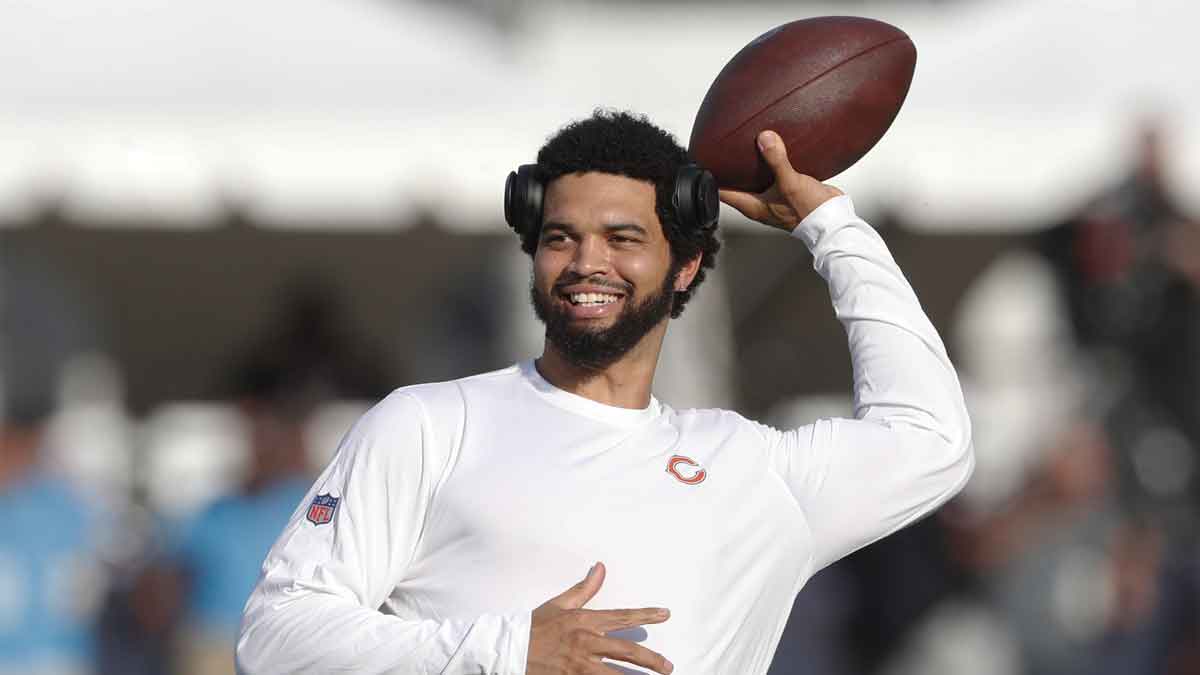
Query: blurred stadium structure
{"type": "Point", "coordinates": [370, 113]}
{"type": "Point", "coordinates": [226, 228]}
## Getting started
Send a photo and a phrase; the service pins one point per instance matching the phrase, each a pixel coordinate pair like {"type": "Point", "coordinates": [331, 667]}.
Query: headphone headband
{"type": "Point", "coordinates": [694, 199]}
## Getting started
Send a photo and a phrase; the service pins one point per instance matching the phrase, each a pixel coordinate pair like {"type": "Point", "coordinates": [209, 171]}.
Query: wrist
{"type": "Point", "coordinates": [832, 212]}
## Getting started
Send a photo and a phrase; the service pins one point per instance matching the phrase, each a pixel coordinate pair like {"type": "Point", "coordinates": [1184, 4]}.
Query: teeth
{"type": "Point", "coordinates": [592, 298]}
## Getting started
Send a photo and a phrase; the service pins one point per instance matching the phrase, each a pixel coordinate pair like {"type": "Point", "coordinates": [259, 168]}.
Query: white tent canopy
{"type": "Point", "coordinates": [359, 113]}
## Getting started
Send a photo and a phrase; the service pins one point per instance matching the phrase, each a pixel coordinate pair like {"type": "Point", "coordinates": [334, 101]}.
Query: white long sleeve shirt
{"type": "Point", "coordinates": [462, 506]}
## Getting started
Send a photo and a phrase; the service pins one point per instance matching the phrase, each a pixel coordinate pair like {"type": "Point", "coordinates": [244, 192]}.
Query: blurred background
{"type": "Point", "coordinates": [227, 228]}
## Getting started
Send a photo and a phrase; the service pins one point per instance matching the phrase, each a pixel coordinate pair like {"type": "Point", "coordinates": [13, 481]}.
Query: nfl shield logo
{"type": "Point", "coordinates": [322, 508]}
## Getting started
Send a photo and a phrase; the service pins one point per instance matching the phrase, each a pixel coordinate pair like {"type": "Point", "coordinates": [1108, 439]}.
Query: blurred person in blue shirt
{"type": "Point", "coordinates": [194, 594]}
{"type": "Point", "coordinates": [51, 580]}
{"type": "Point", "coordinates": [219, 552]}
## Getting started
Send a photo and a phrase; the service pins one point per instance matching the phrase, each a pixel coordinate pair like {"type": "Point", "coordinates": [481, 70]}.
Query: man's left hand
{"type": "Point", "coordinates": [792, 197]}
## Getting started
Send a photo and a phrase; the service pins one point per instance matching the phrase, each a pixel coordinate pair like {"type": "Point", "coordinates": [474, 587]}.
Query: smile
{"type": "Point", "coordinates": [591, 299]}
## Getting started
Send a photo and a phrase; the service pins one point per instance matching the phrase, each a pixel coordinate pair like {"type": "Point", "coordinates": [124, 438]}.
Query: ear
{"type": "Point", "coordinates": [683, 279]}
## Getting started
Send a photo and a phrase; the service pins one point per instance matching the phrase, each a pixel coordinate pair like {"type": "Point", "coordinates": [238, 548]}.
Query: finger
{"type": "Point", "coordinates": [606, 620]}
{"type": "Point", "coordinates": [579, 594]}
{"type": "Point", "coordinates": [803, 193]}
{"type": "Point", "coordinates": [630, 652]}
{"type": "Point", "coordinates": [775, 153]}
{"type": "Point", "coordinates": [791, 184]}
{"type": "Point", "coordinates": [747, 204]}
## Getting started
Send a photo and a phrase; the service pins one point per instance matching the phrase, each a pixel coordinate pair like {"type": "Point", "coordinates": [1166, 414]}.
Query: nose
{"type": "Point", "coordinates": [591, 257]}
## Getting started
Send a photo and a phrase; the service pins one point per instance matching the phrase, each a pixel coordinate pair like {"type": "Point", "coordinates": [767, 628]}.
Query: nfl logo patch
{"type": "Point", "coordinates": [322, 508]}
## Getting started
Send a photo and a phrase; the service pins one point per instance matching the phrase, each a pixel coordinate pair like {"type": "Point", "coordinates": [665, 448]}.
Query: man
{"type": "Point", "coordinates": [53, 574]}
{"type": "Point", "coordinates": [216, 557]}
{"type": "Point", "coordinates": [50, 568]}
{"type": "Point", "coordinates": [441, 537]}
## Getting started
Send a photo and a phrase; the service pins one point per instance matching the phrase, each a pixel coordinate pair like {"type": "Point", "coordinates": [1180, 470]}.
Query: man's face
{"type": "Point", "coordinates": [602, 272]}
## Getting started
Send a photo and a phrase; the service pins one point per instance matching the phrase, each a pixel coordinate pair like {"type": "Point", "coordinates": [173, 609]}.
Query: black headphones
{"type": "Point", "coordinates": [695, 199]}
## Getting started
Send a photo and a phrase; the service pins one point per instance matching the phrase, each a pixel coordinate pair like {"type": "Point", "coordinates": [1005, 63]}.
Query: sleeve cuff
{"type": "Point", "coordinates": [831, 214]}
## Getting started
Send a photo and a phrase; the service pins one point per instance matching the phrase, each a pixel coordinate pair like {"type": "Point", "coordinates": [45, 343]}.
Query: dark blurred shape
{"type": "Point", "coordinates": [307, 355]}
{"type": "Point", "coordinates": [43, 322]}
{"type": "Point", "coordinates": [1128, 263]}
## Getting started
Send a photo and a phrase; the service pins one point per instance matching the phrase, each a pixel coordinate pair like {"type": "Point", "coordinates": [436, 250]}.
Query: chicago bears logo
{"type": "Point", "coordinates": [687, 476]}
{"type": "Point", "coordinates": [322, 508]}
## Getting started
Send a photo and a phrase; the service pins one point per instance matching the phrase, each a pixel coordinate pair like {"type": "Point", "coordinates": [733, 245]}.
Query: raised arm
{"type": "Point", "coordinates": [908, 448]}
{"type": "Point", "coordinates": [315, 608]}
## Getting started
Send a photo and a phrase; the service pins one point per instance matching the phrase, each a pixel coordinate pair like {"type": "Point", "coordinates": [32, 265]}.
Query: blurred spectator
{"type": "Point", "coordinates": [213, 559]}
{"type": "Point", "coordinates": [1086, 456]}
{"type": "Point", "coordinates": [221, 549]}
{"type": "Point", "coordinates": [1129, 265]}
{"type": "Point", "coordinates": [1044, 561]}
{"type": "Point", "coordinates": [196, 592]}
{"type": "Point", "coordinates": [1072, 566]}
{"type": "Point", "coordinates": [50, 575]}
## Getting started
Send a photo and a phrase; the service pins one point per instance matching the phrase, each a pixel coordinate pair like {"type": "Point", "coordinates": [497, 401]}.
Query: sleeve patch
{"type": "Point", "coordinates": [322, 509]}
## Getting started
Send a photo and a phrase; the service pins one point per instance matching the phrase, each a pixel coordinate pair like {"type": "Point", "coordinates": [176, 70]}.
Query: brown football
{"type": "Point", "coordinates": [830, 86]}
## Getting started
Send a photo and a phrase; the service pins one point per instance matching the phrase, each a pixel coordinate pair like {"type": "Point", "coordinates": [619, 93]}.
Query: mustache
{"type": "Point", "coordinates": [567, 279]}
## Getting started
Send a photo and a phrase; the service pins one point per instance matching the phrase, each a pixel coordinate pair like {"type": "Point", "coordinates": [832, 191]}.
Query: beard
{"type": "Point", "coordinates": [595, 349]}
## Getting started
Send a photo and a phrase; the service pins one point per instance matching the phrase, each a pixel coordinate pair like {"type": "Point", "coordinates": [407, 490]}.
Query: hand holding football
{"type": "Point", "coordinates": [830, 86]}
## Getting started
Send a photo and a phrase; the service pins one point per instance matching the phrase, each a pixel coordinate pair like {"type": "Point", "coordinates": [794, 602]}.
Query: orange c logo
{"type": "Point", "coordinates": [695, 478]}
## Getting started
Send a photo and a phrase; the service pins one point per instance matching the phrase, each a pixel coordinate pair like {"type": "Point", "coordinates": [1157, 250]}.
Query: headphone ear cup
{"type": "Point", "coordinates": [708, 200]}
{"type": "Point", "coordinates": [697, 202]}
{"type": "Point", "coordinates": [510, 208]}
{"type": "Point", "coordinates": [523, 193]}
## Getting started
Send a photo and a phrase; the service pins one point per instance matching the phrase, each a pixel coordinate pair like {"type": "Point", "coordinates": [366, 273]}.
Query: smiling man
{"type": "Point", "coordinates": [443, 534]}
{"type": "Point", "coordinates": [604, 274]}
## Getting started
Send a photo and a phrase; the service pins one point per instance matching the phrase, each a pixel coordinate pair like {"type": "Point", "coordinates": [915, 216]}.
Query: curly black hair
{"type": "Point", "coordinates": [627, 144]}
